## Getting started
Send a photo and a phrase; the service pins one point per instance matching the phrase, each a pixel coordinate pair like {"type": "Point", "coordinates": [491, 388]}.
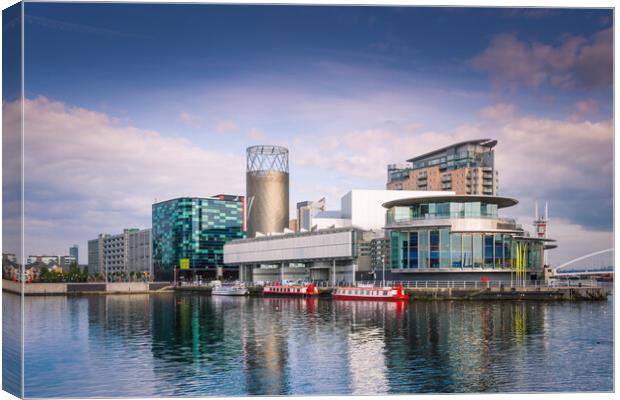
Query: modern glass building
{"type": "Point", "coordinates": [189, 234]}
{"type": "Point", "coordinates": [459, 237]}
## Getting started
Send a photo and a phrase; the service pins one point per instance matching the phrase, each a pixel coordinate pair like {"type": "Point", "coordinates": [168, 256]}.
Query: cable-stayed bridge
{"type": "Point", "coordinates": [596, 263]}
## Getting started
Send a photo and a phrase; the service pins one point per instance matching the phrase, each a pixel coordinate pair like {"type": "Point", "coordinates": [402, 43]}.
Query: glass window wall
{"type": "Point", "coordinates": [439, 248]}
{"type": "Point", "coordinates": [434, 249]}
{"type": "Point", "coordinates": [413, 249]}
{"type": "Point", "coordinates": [423, 249]}
{"type": "Point", "coordinates": [444, 248]}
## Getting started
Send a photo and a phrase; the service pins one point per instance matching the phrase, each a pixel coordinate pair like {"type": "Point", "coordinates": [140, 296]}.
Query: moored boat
{"type": "Point", "coordinates": [230, 290]}
{"type": "Point", "coordinates": [393, 293]}
{"type": "Point", "coordinates": [291, 290]}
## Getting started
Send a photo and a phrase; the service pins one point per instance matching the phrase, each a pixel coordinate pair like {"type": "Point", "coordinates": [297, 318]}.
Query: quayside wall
{"type": "Point", "coordinates": [42, 289]}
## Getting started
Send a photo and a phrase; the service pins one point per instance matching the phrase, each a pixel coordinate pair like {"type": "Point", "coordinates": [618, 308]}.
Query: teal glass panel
{"type": "Point", "coordinates": [423, 249]}
{"type": "Point", "coordinates": [499, 251]}
{"type": "Point", "coordinates": [488, 251]}
{"type": "Point", "coordinates": [455, 250]}
{"type": "Point", "coordinates": [434, 249]}
{"type": "Point", "coordinates": [477, 250]}
{"type": "Point", "coordinates": [395, 250]}
{"type": "Point", "coordinates": [404, 246]}
{"type": "Point", "coordinates": [413, 249]}
{"type": "Point", "coordinates": [444, 248]}
{"type": "Point", "coordinates": [467, 251]}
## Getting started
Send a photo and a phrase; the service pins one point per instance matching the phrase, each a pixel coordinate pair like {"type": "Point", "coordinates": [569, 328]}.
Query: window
{"type": "Point", "coordinates": [498, 250]}
{"type": "Point", "coordinates": [488, 251]}
{"type": "Point", "coordinates": [413, 249]}
{"type": "Point", "coordinates": [455, 250]}
{"type": "Point", "coordinates": [467, 251]}
{"type": "Point", "coordinates": [434, 249]}
{"type": "Point", "coordinates": [444, 248]}
{"type": "Point", "coordinates": [423, 249]}
{"type": "Point", "coordinates": [477, 250]}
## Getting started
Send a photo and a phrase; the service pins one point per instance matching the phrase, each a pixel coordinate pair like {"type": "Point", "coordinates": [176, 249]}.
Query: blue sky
{"type": "Point", "coordinates": [347, 89]}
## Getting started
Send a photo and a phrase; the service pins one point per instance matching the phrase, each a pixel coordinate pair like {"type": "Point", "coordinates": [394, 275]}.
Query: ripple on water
{"type": "Point", "coordinates": [167, 345]}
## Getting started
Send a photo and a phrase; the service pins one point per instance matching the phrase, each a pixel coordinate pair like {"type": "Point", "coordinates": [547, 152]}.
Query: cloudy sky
{"type": "Point", "coordinates": [126, 104]}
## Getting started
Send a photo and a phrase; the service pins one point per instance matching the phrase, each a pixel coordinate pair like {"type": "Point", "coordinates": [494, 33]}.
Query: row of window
{"type": "Point", "coordinates": [442, 249]}
{"type": "Point", "coordinates": [474, 209]}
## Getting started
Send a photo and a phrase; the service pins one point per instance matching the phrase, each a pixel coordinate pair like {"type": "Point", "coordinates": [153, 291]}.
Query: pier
{"type": "Point", "coordinates": [466, 290]}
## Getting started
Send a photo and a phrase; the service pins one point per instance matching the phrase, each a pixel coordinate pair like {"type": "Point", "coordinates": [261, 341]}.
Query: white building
{"type": "Point", "coordinates": [126, 252]}
{"type": "Point", "coordinates": [338, 247]}
{"type": "Point", "coordinates": [363, 208]}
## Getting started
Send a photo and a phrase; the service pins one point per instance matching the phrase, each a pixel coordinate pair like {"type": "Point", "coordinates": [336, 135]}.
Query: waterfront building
{"type": "Point", "coordinates": [11, 257]}
{"type": "Point", "coordinates": [378, 254]}
{"type": "Point", "coordinates": [42, 259]}
{"type": "Point", "coordinates": [129, 251]}
{"type": "Point", "coordinates": [333, 255]}
{"type": "Point", "coordinates": [362, 209]}
{"type": "Point", "coordinates": [74, 252]}
{"type": "Point", "coordinates": [95, 255]}
{"type": "Point", "coordinates": [464, 168]}
{"type": "Point", "coordinates": [267, 189]}
{"type": "Point", "coordinates": [292, 225]}
{"type": "Point", "coordinates": [306, 210]}
{"type": "Point", "coordinates": [65, 262]}
{"type": "Point", "coordinates": [189, 234]}
{"type": "Point", "coordinates": [317, 253]}
{"type": "Point", "coordinates": [459, 237]}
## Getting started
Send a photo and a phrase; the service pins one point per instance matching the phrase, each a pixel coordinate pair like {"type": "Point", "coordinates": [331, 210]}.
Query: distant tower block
{"type": "Point", "coordinates": [267, 184]}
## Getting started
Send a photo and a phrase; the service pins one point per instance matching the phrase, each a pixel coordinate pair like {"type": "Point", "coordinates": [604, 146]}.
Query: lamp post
{"type": "Point", "coordinates": [383, 272]}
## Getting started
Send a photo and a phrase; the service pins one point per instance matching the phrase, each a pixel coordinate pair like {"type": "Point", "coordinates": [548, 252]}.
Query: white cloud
{"type": "Point", "coordinates": [226, 127]}
{"type": "Point", "coordinates": [85, 174]}
{"type": "Point", "coordinates": [189, 119]}
{"type": "Point", "coordinates": [577, 61]}
{"type": "Point", "coordinates": [497, 112]}
{"type": "Point", "coordinates": [256, 134]}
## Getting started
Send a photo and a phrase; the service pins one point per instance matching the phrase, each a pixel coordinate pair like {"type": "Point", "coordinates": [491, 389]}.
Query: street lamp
{"type": "Point", "coordinates": [383, 272]}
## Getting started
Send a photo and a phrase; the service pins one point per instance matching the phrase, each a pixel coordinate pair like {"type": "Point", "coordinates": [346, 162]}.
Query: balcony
{"type": "Point", "coordinates": [419, 221]}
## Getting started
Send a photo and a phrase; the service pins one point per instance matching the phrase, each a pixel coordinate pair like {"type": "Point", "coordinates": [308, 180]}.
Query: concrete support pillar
{"type": "Point", "coordinates": [334, 272]}
{"type": "Point", "coordinates": [281, 272]}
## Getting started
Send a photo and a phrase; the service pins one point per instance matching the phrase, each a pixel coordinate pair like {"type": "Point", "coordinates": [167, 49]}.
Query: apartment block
{"type": "Point", "coordinates": [464, 168]}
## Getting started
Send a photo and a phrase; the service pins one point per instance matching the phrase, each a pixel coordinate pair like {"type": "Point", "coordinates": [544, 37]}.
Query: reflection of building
{"type": "Point", "coordinates": [459, 237]}
{"type": "Point", "coordinates": [194, 229]}
{"type": "Point", "coordinates": [465, 168]}
{"type": "Point", "coordinates": [126, 252]}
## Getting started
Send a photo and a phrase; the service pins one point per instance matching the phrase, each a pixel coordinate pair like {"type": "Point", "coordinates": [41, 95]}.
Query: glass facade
{"type": "Point", "coordinates": [475, 209]}
{"type": "Point", "coordinates": [439, 248]}
{"type": "Point", "coordinates": [194, 229]}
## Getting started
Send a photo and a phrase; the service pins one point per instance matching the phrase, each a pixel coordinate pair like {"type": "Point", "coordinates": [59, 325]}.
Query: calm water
{"type": "Point", "coordinates": [175, 345]}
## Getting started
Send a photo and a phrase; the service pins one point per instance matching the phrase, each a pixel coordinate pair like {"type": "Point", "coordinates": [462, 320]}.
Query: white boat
{"type": "Point", "coordinates": [235, 289]}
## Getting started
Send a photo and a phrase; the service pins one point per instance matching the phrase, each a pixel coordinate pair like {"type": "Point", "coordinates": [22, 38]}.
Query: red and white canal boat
{"type": "Point", "coordinates": [393, 293]}
{"type": "Point", "coordinates": [291, 290]}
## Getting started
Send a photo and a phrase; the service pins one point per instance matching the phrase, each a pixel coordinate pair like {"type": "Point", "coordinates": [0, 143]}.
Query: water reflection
{"type": "Point", "coordinates": [171, 345]}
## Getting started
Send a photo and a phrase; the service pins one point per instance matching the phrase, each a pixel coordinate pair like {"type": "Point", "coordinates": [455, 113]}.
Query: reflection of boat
{"type": "Point", "coordinates": [394, 293]}
{"type": "Point", "coordinates": [235, 289]}
{"type": "Point", "coordinates": [292, 290]}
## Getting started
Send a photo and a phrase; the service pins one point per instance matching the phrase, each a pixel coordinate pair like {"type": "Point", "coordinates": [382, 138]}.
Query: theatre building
{"type": "Point", "coordinates": [459, 237]}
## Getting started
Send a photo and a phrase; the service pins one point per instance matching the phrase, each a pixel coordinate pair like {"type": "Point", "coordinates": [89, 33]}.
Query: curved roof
{"type": "Point", "coordinates": [490, 143]}
{"type": "Point", "coordinates": [501, 202]}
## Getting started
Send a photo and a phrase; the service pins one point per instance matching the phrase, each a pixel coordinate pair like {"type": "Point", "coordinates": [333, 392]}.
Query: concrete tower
{"type": "Point", "coordinates": [267, 189]}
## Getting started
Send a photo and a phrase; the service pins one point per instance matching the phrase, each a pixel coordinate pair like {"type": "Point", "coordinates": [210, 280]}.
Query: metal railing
{"type": "Point", "coordinates": [436, 284]}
